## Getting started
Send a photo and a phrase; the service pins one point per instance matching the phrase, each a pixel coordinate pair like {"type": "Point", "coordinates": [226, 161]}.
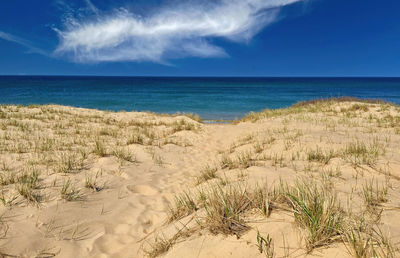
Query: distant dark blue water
{"type": "Point", "coordinates": [211, 98]}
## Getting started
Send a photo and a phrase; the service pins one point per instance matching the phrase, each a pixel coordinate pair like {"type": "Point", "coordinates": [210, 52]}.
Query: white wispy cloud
{"type": "Point", "coordinates": [23, 42]}
{"type": "Point", "coordinates": [185, 29]}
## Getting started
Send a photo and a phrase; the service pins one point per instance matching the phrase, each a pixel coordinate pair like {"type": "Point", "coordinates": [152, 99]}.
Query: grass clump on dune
{"type": "Point", "coordinates": [124, 155]}
{"type": "Point", "coordinates": [359, 153]}
{"type": "Point", "coordinates": [183, 125]}
{"type": "Point", "coordinates": [374, 196]}
{"type": "Point", "coordinates": [224, 206]}
{"type": "Point", "coordinates": [160, 246]}
{"type": "Point", "coordinates": [194, 117]}
{"type": "Point", "coordinates": [184, 205]}
{"type": "Point", "coordinates": [28, 182]}
{"type": "Point", "coordinates": [365, 240]}
{"type": "Point", "coordinates": [319, 156]}
{"type": "Point", "coordinates": [207, 173]}
{"type": "Point", "coordinates": [30, 178]}
{"type": "Point", "coordinates": [265, 245]}
{"type": "Point", "coordinates": [26, 191]}
{"type": "Point", "coordinates": [135, 138]}
{"type": "Point", "coordinates": [69, 192]}
{"type": "Point", "coordinates": [91, 183]}
{"type": "Point", "coordinates": [99, 149]}
{"type": "Point", "coordinates": [224, 209]}
{"type": "Point", "coordinates": [227, 162]}
{"type": "Point", "coordinates": [243, 160]}
{"type": "Point", "coordinates": [69, 163]}
{"type": "Point", "coordinates": [8, 178]}
{"type": "Point", "coordinates": [317, 212]}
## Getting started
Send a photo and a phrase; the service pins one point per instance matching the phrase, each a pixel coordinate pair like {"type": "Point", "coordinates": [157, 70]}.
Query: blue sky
{"type": "Point", "coordinates": [200, 37]}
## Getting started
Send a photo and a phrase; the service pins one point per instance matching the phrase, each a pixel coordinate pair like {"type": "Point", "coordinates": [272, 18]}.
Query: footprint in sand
{"type": "Point", "coordinates": [143, 189]}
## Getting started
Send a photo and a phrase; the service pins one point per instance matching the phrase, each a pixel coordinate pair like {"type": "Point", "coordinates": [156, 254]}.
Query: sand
{"type": "Point", "coordinates": [86, 183]}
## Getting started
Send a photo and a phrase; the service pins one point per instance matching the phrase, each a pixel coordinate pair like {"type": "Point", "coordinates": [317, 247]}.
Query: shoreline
{"type": "Point", "coordinates": [198, 118]}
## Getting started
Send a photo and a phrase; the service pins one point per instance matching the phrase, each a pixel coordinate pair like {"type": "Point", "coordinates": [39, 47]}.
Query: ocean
{"type": "Point", "coordinates": [211, 98]}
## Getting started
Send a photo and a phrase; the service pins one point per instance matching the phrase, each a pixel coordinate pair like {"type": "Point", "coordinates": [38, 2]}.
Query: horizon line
{"type": "Point", "coordinates": [203, 76]}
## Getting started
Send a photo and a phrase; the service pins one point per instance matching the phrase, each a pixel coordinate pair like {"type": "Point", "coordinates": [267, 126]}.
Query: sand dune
{"type": "Point", "coordinates": [319, 179]}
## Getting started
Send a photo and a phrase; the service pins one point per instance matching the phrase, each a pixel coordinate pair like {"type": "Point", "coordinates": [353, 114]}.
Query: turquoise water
{"type": "Point", "coordinates": [211, 98]}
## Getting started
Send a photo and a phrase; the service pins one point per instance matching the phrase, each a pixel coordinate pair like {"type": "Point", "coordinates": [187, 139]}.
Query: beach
{"type": "Point", "coordinates": [199, 129]}
{"type": "Point", "coordinates": [318, 179]}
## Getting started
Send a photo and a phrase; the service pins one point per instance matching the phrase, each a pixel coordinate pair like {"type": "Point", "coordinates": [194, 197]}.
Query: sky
{"type": "Point", "coordinates": [200, 37]}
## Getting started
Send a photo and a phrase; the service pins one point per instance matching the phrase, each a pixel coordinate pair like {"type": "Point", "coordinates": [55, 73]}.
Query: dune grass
{"type": "Point", "coordinates": [364, 240]}
{"type": "Point", "coordinates": [183, 206]}
{"type": "Point", "coordinates": [320, 156]}
{"type": "Point", "coordinates": [224, 209]}
{"type": "Point", "coordinates": [227, 206]}
{"type": "Point", "coordinates": [124, 154]}
{"type": "Point", "coordinates": [318, 212]}
{"type": "Point", "coordinates": [92, 183]}
{"type": "Point", "coordinates": [53, 140]}
{"type": "Point", "coordinates": [315, 208]}
{"type": "Point", "coordinates": [69, 192]}
{"type": "Point", "coordinates": [207, 173]}
{"type": "Point", "coordinates": [265, 245]}
{"type": "Point", "coordinates": [29, 193]}
{"type": "Point", "coordinates": [359, 153]}
{"type": "Point", "coordinates": [373, 194]}
{"type": "Point", "coordinates": [313, 106]}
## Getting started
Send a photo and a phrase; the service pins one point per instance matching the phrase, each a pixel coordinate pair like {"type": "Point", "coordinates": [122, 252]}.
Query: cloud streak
{"type": "Point", "coordinates": [92, 7]}
{"type": "Point", "coordinates": [22, 42]}
{"type": "Point", "coordinates": [185, 30]}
